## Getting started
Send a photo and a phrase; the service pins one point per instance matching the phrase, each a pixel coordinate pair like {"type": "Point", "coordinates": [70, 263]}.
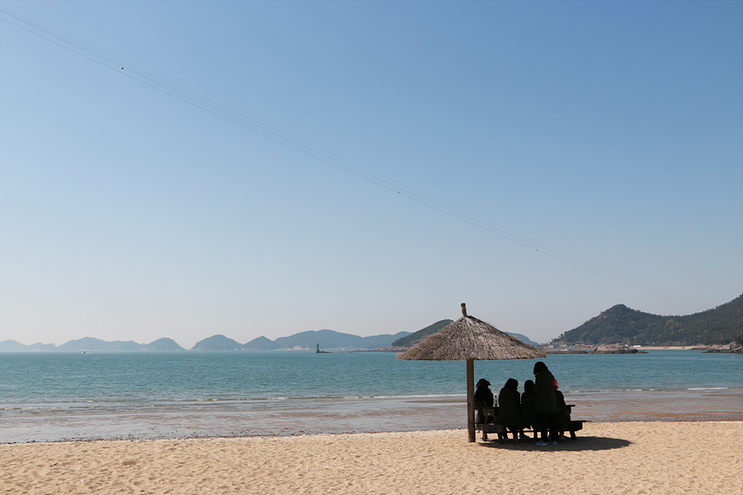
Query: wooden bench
{"type": "Point", "coordinates": [502, 428]}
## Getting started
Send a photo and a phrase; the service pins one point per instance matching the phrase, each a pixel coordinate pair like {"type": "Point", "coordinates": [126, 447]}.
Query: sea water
{"type": "Point", "coordinates": [55, 396]}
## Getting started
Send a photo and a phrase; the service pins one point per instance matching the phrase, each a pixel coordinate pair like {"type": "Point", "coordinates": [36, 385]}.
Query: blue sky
{"type": "Point", "coordinates": [600, 142]}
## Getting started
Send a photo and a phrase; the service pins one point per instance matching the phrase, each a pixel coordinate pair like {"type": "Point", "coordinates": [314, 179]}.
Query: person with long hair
{"type": "Point", "coordinates": [527, 405]}
{"type": "Point", "coordinates": [545, 404]}
{"type": "Point", "coordinates": [509, 408]}
{"type": "Point", "coordinates": [483, 400]}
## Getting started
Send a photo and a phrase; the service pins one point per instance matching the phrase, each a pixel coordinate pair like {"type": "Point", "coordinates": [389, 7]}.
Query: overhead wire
{"type": "Point", "coordinates": [333, 160]}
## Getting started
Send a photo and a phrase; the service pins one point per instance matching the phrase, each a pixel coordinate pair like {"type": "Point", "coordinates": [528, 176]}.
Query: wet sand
{"type": "Point", "coordinates": [350, 415]}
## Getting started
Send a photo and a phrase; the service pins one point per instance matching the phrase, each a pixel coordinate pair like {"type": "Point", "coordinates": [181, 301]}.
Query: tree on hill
{"type": "Point", "coordinates": [720, 325]}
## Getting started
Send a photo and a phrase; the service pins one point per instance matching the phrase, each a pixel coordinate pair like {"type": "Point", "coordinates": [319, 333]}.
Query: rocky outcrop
{"type": "Point", "coordinates": [616, 349]}
{"type": "Point", "coordinates": [731, 348]}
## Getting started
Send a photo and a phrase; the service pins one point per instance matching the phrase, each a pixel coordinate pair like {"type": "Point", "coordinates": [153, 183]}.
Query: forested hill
{"type": "Point", "coordinates": [721, 325]}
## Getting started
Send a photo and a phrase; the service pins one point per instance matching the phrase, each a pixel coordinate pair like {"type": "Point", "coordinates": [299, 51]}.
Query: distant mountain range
{"type": "Point", "coordinates": [721, 325]}
{"type": "Point", "coordinates": [91, 344]}
{"type": "Point", "coordinates": [326, 339]}
{"type": "Point", "coordinates": [309, 340]}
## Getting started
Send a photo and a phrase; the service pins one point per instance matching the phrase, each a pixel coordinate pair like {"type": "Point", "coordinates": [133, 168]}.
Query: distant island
{"type": "Point", "coordinates": [719, 326]}
{"type": "Point", "coordinates": [89, 344]}
{"type": "Point", "coordinates": [328, 340]}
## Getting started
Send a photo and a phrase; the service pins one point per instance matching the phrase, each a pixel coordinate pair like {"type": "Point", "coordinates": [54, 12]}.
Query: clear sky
{"type": "Point", "coordinates": [572, 156]}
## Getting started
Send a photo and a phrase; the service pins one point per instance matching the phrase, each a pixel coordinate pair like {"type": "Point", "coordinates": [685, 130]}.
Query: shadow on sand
{"type": "Point", "coordinates": [579, 444]}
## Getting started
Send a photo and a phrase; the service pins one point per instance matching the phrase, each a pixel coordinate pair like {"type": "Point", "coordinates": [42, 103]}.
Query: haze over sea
{"type": "Point", "coordinates": [59, 396]}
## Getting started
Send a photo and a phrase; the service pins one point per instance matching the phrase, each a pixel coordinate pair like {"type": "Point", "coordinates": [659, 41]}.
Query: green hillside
{"type": "Point", "coordinates": [720, 325]}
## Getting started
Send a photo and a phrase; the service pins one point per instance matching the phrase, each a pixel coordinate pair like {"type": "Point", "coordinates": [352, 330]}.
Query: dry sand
{"type": "Point", "coordinates": [608, 458]}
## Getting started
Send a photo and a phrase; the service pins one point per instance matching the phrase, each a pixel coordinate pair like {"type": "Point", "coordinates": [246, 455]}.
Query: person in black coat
{"type": "Point", "coordinates": [483, 400]}
{"type": "Point", "coordinates": [545, 405]}
{"type": "Point", "coordinates": [561, 415]}
{"type": "Point", "coordinates": [527, 405]}
{"type": "Point", "coordinates": [483, 395]}
{"type": "Point", "coordinates": [509, 408]}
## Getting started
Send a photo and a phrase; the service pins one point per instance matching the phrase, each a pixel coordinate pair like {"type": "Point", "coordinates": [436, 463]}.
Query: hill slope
{"type": "Point", "coordinates": [164, 344]}
{"type": "Point", "coordinates": [328, 339]}
{"type": "Point", "coordinates": [720, 325]}
{"type": "Point", "coordinates": [217, 343]}
{"type": "Point", "coordinates": [12, 346]}
{"type": "Point", "coordinates": [414, 338]}
{"type": "Point", "coordinates": [92, 344]}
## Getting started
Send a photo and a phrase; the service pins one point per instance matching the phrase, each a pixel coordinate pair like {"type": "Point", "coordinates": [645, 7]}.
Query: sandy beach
{"type": "Point", "coordinates": [607, 458]}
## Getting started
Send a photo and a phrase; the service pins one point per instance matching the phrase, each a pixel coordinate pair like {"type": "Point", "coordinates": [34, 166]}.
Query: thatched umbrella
{"type": "Point", "coordinates": [468, 339]}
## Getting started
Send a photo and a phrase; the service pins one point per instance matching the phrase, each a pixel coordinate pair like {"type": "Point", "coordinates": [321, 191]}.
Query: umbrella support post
{"type": "Point", "coordinates": [471, 399]}
{"type": "Point", "coordinates": [468, 339]}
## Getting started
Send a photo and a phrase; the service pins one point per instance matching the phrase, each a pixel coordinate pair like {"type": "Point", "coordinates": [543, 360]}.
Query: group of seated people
{"type": "Point", "coordinates": [541, 406]}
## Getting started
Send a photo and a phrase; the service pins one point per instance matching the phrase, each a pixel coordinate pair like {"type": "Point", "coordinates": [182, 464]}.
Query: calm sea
{"type": "Point", "coordinates": [55, 396]}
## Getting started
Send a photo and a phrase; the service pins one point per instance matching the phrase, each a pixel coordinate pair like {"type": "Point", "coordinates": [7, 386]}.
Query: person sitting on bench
{"type": "Point", "coordinates": [509, 409]}
{"type": "Point", "coordinates": [562, 415]}
{"type": "Point", "coordinates": [483, 400]}
{"type": "Point", "coordinates": [527, 406]}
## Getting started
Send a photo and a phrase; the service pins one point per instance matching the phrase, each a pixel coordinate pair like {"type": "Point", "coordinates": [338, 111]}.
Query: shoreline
{"type": "Point", "coordinates": [668, 348]}
{"type": "Point", "coordinates": [463, 431]}
{"type": "Point", "coordinates": [609, 458]}
{"type": "Point", "coordinates": [350, 415]}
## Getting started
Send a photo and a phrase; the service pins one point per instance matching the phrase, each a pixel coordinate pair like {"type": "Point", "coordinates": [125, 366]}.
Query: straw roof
{"type": "Point", "coordinates": [470, 338]}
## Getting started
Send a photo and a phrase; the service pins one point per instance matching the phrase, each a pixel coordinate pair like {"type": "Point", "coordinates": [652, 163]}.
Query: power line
{"type": "Point", "coordinates": [333, 160]}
